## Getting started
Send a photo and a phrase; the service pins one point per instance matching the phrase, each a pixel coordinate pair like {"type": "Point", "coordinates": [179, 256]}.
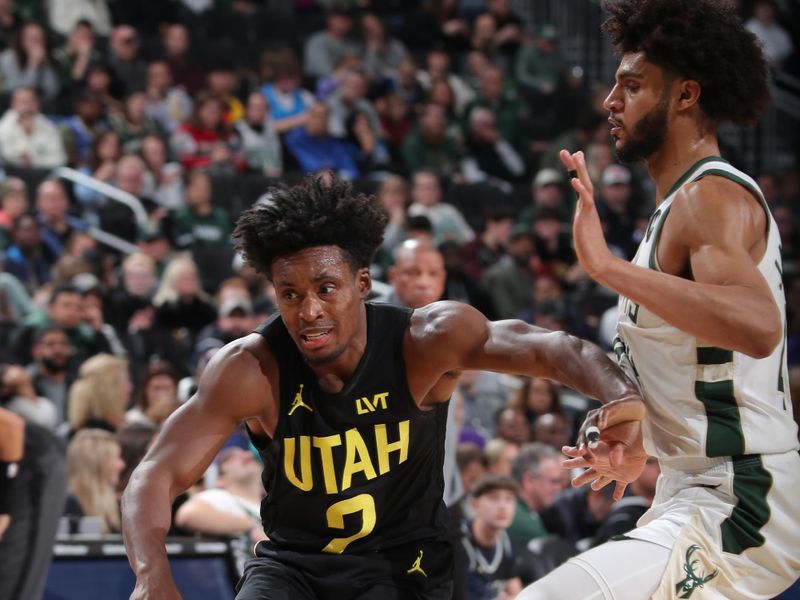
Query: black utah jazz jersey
{"type": "Point", "coordinates": [359, 471]}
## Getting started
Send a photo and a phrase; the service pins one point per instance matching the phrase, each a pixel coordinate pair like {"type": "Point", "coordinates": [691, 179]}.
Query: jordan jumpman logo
{"type": "Point", "coordinates": [298, 401]}
{"type": "Point", "coordinates": [416, 568]}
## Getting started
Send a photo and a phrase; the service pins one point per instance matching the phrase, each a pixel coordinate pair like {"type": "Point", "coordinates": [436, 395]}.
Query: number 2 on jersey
{"type": "Point", "coordinates": [363, 503]}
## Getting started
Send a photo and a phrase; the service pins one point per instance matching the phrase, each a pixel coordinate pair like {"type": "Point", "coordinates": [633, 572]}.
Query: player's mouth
{"type": "Point", "coordinates": [315, 338]}
{"type": "Point", "coordinates": [616, 127]}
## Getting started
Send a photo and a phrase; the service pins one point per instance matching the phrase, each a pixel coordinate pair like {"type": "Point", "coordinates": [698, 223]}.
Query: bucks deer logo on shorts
{"type": "Point", "coordinates": [686, 587]}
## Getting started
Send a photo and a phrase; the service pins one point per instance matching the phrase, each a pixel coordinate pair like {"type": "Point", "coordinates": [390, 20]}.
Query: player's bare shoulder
{"type": "Point", "coordinates": [238, 378]}
{"type": "Point", "coordinates": [445, 331]}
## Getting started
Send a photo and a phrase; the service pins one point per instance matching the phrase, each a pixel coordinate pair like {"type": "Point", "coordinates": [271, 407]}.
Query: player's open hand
{"type": "Point", "coordinates": [619, 454]}
{"type": "Point", "coordinates": [587, 230]}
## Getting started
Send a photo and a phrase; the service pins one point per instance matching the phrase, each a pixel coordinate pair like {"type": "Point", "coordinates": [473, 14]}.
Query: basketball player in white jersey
{"type": "Point", "coordinates": [701, 327]}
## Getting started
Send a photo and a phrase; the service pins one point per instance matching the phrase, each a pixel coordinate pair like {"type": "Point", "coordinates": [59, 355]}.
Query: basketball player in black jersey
{"type": "Point", "coordinates": [346, 401]}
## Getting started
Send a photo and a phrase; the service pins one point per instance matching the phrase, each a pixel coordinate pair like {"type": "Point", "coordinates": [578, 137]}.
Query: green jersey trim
{"type": "Point", "coordinates": [714, 388]}
{"type": "Point", "coordinates": [751, 484]}
{"type": "Point", "coordinates": [652, 261]}
{"type": "Point", "coordinates": [683, 178]}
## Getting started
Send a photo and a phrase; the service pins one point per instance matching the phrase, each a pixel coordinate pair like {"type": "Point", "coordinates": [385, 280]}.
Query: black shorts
{"type": "Point", "coordinates": [421, 571]}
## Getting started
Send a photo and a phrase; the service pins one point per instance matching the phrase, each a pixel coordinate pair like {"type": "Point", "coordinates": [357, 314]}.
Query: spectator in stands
{"type": "Point", "coordinates": [536, 396]}
{"type": "Point", "coordinates": [133, 123]}
{"type": "Point", "coordinates": [417, 276]}
{"type": "Point", "coordinates": [403, 82]}
{"type": "Point", "coordinates": [316, 150]}
{"type": "Point", "coordinates": [64, 15]}
{"type": "Point", "coordinates": [27, 137]}
{"type": "Point", "coordinates": [205, 140]}
{"type": "Point", "coordinates": [50, 370]}
{"type": "Point", "coordinates": [618, 213]}
{"type": "Point", "coordinates": [289, 103]}
{"type": "Point", "coordinates": [431, 144]}
{"type": "Point", "coordinates": [396, 122]}
{"type": "Point", "coordinates": [163, 178]}
{"type": "Point", "coordinates": [438, 23]}
{"type": "Point", "coordinates": [509, 34]}
{"type": "Point", "coordinates": [13, 202]}
{"type": "Point", "coordinates": [351, 98]}
{"type": "Point", "coordinates": [552, 428]}
{"type": "Point", "coordinates": [513, 426]}
{"type": "Point", "coordinates": [221, 82]}
{"type": "Point", "coordinates": [137, 285]}
{"type": "Point", "coordinates": [577, 513]}
{"type": "Point", "coordinates": [199, 223]}
{"type": "Point", "coordinates": [11, 22]}
{"type": "Point", "coordinates": [157, 397]}
{"type": "Point", "coordinates": [260, 142]}
{"type": "Point", "coordinates": [501, 100]}
{"type": "Point", "coordinates": [52, 205]}
{"type": "Point", "coordinates": [128, 69]}
{"type": "Point", "coordinates": [482, 39]}
{"type": "Point", "coordinates": [471, 464]}
{"type": "Point", "coordinates": [510, 280]}
{"type": "Point", "coordinates": [775, 40]}
{"type": "Point", "coordinates": [180, 301]}
{"type": "Point", "coordinates": [63, 310]}
{"type": "Point", "coordinates": [537, 471]}
{"type": "Point", "coordinates": [499, 455]}
{"type": "Point", "coordinates": [442, 94]}
{"type": "Point", "coordinates": [185, 73]}
{"type": "Point", "coordinates": [448, 222]}
{"type": "Point", "coordinates": [73, 59]}
{"type": "Point", "coordinates": [134, 439]}
{"type": "Point", "coordinates": [546, 190]}
{"type": "Point", "coordinates": [382, 54]}
{"type": "Point", "coordinates": [93, 468]}
{"type": "Point", "coordinates": [233, 507]}
{"type": "Point", "coordinates": [553, 243]}
{"type": "Point", "coordinates": [328, 84]}
{"type": "Point", "coordinates": [490, 157]}
{"type": "Point", "coordinates": [99, 396]}
{"type": "Point", "coordinates": [486, 552]}
{"type": "Point", "coordinates": [28, 64]}
{"type": "Point", "coordinates": [167, 104]}
{"type": "Point", "coordinates": [28, 258]}
{"type": "Point", "coordinates": [325, 48]}
{"type": "Point", "coordinates": [437, 63]}
{"type": "Point", "coordinates": [489, 246]}
{"type": "Point", "coordinates": [99, 82]}
{"type": "Point", "coordinates": [234, 320]}
{"type": "Point", "coordinates": [368, 150]}
{"type": "Point", "coordinates": [395, 197]}
{"type": "Point", "coordinates": [18, 395]}
{"type": "Point", "coordinates": [115, 217]}
{"type": "Point", "coordinates": [540, 68]}
{"type": "Point", "coordinates": [82, 128]}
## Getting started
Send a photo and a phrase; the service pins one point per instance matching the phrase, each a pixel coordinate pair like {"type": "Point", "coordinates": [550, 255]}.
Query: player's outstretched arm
{"type": "Point", "coordinates": [727, 303]}
{"type": "Point", "coordinates": [232, 389]}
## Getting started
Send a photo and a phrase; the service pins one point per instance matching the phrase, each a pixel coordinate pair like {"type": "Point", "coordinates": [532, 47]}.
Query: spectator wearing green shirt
{"type": "Point", "coordinates": [537, 470]}
{"type": "Point", "coordinates": [200, 224]}
{"type": "Point", "coordinates": [430, 144]}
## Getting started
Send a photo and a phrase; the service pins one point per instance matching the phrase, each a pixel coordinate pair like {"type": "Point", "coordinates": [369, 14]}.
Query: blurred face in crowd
{"type": "Point", "coordinates": [238, 467]}
{"type": "Point", "coordinates": [433, 122]}
{"type": "Point", "coordinates": [138, 279]}
{"type": "Point", "coordinates": [66, 310]}
{"type": "Point", "coordinates": [616, 196]}
{"type": "Point", "coordinates": [539, 399]}
{"type": "Point", "coordinates": [317, 125]}
{"type": "Point", "coordinates": [187, 282]}
{"type": "Point", "coordinates": [53, 350]}
{"type": "Point", "coordinates": [522, 250]}
{"type": "Point", "coordinates": [257, 108]}
{"type": "Point", "coordinates": [221, 82]}
{"type": "Point", "coordinates": [51, 201]}
{"type": "Point", "coordinates": [438, 63]}
{"type": "Point", "coordinates": [32, 36]}
{"type": "Point", "coordinates": [129, 176]}
{"type": "Point", "coordinates": [502, 466]}
{"type": "Point", "coordinates": [198, 191]}
{"type": "Point", "coordinates": [418, 275]}
{"type": "Point", "coordinates": [135, 106]}
{"type": "Point", "coordinates": [26, 233]}
{"type": "Point", "coordinates": [513, 426]}
{"type": "Point", "coordinates": [546, 288]}
{"type": "Point", "coordinates": [25, 102]}
{"type": "Point", "coordinates": [548, 228]}
{"type": "Point", "coordinates": [14, 203]}
{"type": "Point", "coordinates": [548, 195]}
{"type": "Point", "coordinates": [210, 114]}
{"type": "Point", "coordinates": [176, 40]}
{"type": "Point", "coordinates": [339, 25]}
{"type": "Point", "coordinates": [492, 83]}
{"type": "Point", "coordinates": [354, 87]}
{"type": "Point", "coordinates": [158, 75]}
{"type": "Point", "coordinates": [539, 491]}
{"type": "Point", "coordinates": [81, 34]}
{"type": "Point", "coordinates": [154, 152]}
{"type": "Point", "coordinates": [552, 429]}
{"type": "Point", "coordinates": [495, 508]}
{"type": "Point", "coordinates": [124, 42]}
{"type": "Point", "coordinates": [161, 388]}
{"type": "Point", "coordinates": [426, 189]}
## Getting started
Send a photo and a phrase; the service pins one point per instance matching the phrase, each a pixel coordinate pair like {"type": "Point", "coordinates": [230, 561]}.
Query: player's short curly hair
{"type": "Point", "coordinates": [320, 211]}
{"type": "Point", "coordinates": [703, 40]}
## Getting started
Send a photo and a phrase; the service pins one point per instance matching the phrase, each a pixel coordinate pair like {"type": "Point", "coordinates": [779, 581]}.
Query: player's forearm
{"type": "Point", "coordinates": [734, 317]}
{"type": "Point", "coordinates": [146, 516]}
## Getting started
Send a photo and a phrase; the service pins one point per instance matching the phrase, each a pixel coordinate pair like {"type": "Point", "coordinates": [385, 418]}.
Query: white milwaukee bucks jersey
{"type": "Point", "coordinates": [702, 400]}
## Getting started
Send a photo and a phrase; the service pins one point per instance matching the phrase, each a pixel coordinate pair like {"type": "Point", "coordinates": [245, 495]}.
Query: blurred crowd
{"type": "Point", "coordinates": [451, 112]}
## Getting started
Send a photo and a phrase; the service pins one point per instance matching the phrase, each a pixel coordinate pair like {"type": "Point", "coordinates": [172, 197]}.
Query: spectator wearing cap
{"type": "Point", "coordinates": [199, 224]}
{"type": "Point", "coordinates": [510, 280]}
{"type": "Point", "coordinates": [260, 142]}
{"type": "Point", "coordinates": [546, 190]}
{"type": "Point", "coordinates": [234, 320]}
{"type": "Point", "coordinates": [617, 211]}
{"type": "Point", "coordinates": [27, 137]}
{"type": "Point", "coordinates": [13, 202]}
{"type": "Point", "coordinates": [486, 559]}
{"type": "Point", "coordinates": [325, 48]}
{"type": "Point", "coordinates": [128, 69]}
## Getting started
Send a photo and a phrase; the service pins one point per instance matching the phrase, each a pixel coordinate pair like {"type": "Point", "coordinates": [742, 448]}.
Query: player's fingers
{"type": "Point", "coordinates": [601, 482]}
{"type": "Point", "coordinates": [574, 451]}
{"type": "Point", "coordinates": [619, 490]}
{"type": "Point", "coordinates": [567, 160]}
{"type": "Point", "coordinates": [616, 455]}
{"type": "Point", "coordinates": [585, 477]}
{"type": "Point", "coordinates": [583, 171]}
{"type": "Point", "coordinates": [585, 199]}
{"type": "Point", "coordinates": [576, 463]}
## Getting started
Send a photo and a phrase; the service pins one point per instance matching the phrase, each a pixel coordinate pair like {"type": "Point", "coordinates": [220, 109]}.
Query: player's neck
{"type": "Point", "coordinates": [682, 148]}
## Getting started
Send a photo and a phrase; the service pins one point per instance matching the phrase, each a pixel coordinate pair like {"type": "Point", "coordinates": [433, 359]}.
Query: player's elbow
{"type": "Point", "coordinates": [763, 342]}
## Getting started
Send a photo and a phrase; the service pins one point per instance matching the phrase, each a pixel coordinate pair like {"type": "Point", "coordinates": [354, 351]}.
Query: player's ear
{"type": "Point", "coordinates": [364, 282]}
{"type": "Point", "coordinates": [688, 93]}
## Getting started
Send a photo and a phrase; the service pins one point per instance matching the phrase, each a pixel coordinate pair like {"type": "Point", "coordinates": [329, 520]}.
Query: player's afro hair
{"type": "Point", "coordinates": [703, 40]}
{"type": "Point", "coordinates": [320, 211]}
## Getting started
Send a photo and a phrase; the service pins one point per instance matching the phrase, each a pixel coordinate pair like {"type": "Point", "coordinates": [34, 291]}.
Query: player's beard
{"type": "Point", "coordinates": [648, 135]}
